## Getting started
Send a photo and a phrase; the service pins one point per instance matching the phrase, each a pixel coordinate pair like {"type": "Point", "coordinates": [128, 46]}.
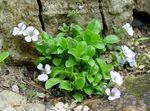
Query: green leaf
{"type": "Point", "coordinates": [111, 39]}
{"type": "Point", "coordinates": [89, 90]}
{"type": "Point", "coordinates": [71, 43]}
{"type": "Point", "coordinates": [91, 62]}
{"type": "Point", "coordinates": [91, 38]}
{"type": "Point", "coordinates": [70, 62]}
{"type": "Point", "coordinates": [99, 45]}
{"type": "Point", "coordinates": [45, 36]}
{"type": "Point", "coordinates": [99, 88]}
{"type": "Point", "coordinates": [78, 96]}
{"type": "Point", "coordinates": [85, 57]}
{"type": "Point", "coordinates": [79, 82]}
{"type": "Point", "coordinates": [90, 78]}
{"type": "Point", "coordinates": [52, 82]}
{"type": "Point", "coordinates": [3, 56]}
{"type": "Point", "coordinates": [76, 29]}
{"type": "Point", "coordinates": [90, 51]}
{"type": "Point", "coordinates": [94, 26]}
{"type": "Point", "coordinates": [57, 61]}
{"type": "Point", "coordinates": [94, 70]}
{"type": "Point", "coordinates": [66, 85]}
{"type": "Point", "coordinates": [97, 79]}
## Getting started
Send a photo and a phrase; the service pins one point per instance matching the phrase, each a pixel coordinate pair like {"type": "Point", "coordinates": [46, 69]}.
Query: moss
{"type": "Point", "coordinates": [138, 86]}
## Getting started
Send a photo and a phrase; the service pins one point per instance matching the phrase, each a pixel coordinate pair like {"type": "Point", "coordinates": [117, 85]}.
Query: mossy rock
{"type": "Point", "coordinates": [138, 85]}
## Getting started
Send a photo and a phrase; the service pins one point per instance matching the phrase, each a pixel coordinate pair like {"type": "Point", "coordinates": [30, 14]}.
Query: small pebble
{"type": "Point", "coordinates": [86, 108]}
{"type": "Point", "coordinates": [141, 66]}
{"type": "Point", "coordinates": [15, 88]}
{"type": "Point", "coordinates": [59, 105]}
{"type": "Point", "coordinates": [78, 108]}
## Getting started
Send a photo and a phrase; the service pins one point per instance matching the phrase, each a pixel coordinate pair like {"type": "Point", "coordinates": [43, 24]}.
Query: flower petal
{"type": "Point", "coordinates": [47, 69]}
{"type": "Point", "coordinates": [15, 31]}
{"type": "Point", "coordinates": [116, 77]}
{"type": "Point", "coordinates": [43, 77]}
{"type": "Point", "coordinates": [34, 38]}
{"type": "Point", "coordinates": [28, 39]}
{"type": "Point", "coordinates": [36, 32]}
{"type": "Point", "coordinates": [28, 30]}
{"type": "Point", "coordinates": [40, 66]}
{"type": "Point", "coordinates": [129, 56]}
{"type": "Point", "coordinates": [129, 29]}
{"type": "Point", "coordinates": [116, 92]}
{"type": "Point", "coordinates": [107, 91]}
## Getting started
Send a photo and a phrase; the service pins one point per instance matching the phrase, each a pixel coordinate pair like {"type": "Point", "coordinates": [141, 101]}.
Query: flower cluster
{"type": "Point", "coordinates": [45, 71]}
{"type": "Point", "coordinates": [114, 93]}
{"type": "Point", "coordinates": [30, 33]}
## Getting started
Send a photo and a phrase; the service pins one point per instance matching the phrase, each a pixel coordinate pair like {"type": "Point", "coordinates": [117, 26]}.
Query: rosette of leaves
{"type": "Point", "coordinates": [76, 60]}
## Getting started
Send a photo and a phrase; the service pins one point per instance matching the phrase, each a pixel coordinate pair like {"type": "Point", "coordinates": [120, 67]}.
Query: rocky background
{"type": "Point", "coordinates": [48, 15]}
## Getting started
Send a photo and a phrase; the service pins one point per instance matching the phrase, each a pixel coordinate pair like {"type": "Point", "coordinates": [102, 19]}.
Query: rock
{"type": "Point", "coordinates": [34, 107]}
{"type": "Point", "coordinates": [59, 105]}
{"type": "Point", "coordinates": [78, 108]}
{"type": "Point", "coordinates": [86, 108]}
{"type": "Point", "coordinates": [55, 12]}
{"type": "Point", "coordinates": [12, 13]}
{"type": "Point", "coordinates": [9, 109]}
{"type": "Point", "coordinates": [15, 88]}
{"type": "Point", "coordinates": [137, 86]}
{"type": "Point", "coordinates": [12, 98]}
{"type": "Point", "coordinates": [142, 5]}
{"type": "Point", "coordinates": [117, 12]}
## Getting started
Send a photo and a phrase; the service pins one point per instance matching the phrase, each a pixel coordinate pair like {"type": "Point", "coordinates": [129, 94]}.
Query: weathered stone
{"type": "Point", "coordinates": [12, 98]}
{"type": "Point", "coordinates": [11, 13]}
{"type": "Point", "coordinates": [55, 12]}
{"type": "Point", "coordinates": [137, 86]}
{"type": "Point", "coordinates": [142, 5]}
{"type": "Point", "coordinates": [35, 107]}
{"type": "Point", "coordinates": [117, 12]}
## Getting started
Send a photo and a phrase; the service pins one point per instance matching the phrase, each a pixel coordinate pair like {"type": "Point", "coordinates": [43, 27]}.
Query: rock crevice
{"type": "Point", "coordinates": [40, 15]}
{"type": "Point", "coordinates": [105, 28]}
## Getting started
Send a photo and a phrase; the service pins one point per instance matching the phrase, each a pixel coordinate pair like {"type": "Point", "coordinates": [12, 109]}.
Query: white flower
{"type": "Point", "coordinates": [45, 71]}
{"type": "Point", "coordinates": [116, 77]}
{"type": "Point", "coordinates": [81, 7]}
{"type": "Point", "coordinates": [31, 34]}
{"type": "Point", "coordinates": [113, 94]}
{"type": "Point", "coordinates": [43, 77]}
{"type": "Point", "coordinates": [129, 56]}
{"type": "Point", "coordinates": [129, 29]}
{"type": "Point", "coordinates": [19, 30]}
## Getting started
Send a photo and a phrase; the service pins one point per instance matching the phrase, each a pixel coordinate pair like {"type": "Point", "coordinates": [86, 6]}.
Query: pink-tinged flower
{"type": "Point", "coordinates": [20, 29]}
{"type": "Point", "coordinates": [129, 56]}
{"type": "Point", "coordinates": [129, 29]}
{"type": "Point", "coordinates": [31, 34]}
{"type": "Point", "coordinates": [116, 77]}
{"type": "Point", "coordinates": [113, 94]}
{"type": "Point", "coordinates": [45, 71]}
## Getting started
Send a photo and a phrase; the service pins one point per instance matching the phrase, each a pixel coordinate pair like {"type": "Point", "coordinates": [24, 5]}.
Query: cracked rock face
{"type": "Point", "coordinates": [13, 12]}
{"type": "Point", "coordinates": [52, 14]}
{"type": "Point", "coordinates": [142, 5]}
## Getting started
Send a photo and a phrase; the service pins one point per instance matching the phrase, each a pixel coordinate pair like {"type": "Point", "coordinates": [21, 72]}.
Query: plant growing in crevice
{"type": "Point", "coordinates": [73, 60]}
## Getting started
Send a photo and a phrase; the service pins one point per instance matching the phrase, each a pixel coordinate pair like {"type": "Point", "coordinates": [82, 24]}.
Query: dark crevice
{"type": "Point", "coordinates": [105, 28]}
{"type": "Point", "coordinates": [40, 14]}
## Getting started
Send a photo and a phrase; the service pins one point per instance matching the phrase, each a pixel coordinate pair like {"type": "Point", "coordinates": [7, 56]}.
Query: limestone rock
{"type": "Point", "coordinates": [12, 98]}
{"type": "Point", "coordinates": [55, 12]}
{"type": "Point", "coordinates": [117, 12]}
{"type": "Point", "coordinates": [34, 107]}
{"type": "Point", "coordinates": [142, 5]}
{"type": "Point", "coordinates": [11, 13]}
